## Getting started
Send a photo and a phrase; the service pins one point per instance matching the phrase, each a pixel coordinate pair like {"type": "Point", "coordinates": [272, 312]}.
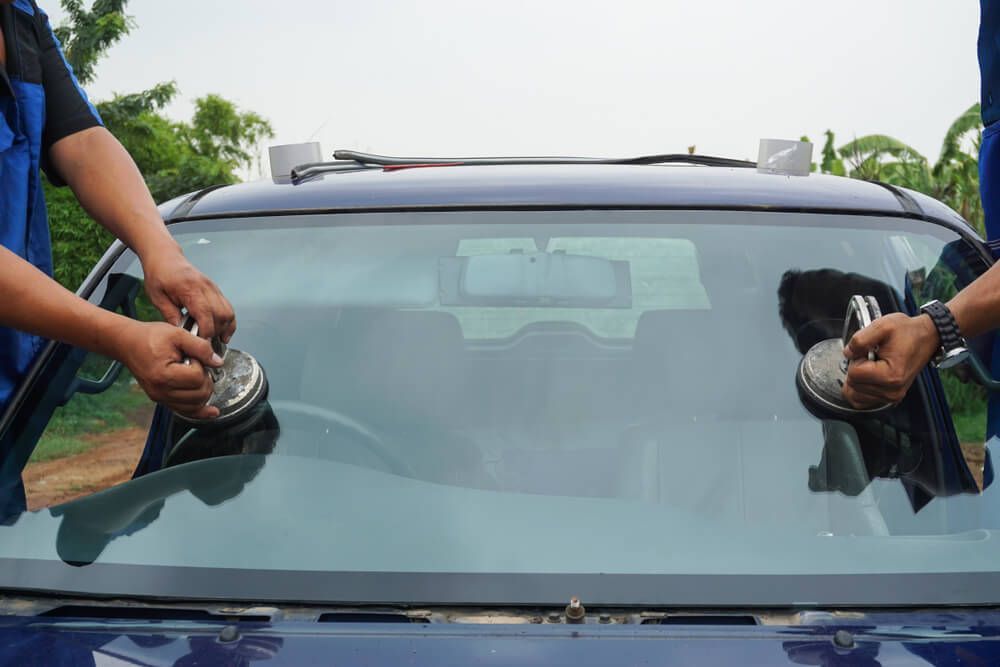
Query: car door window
{"type": "Point", "coordinates": [940, 276]}
{"type": "Point", "coordinates": [96, 438]}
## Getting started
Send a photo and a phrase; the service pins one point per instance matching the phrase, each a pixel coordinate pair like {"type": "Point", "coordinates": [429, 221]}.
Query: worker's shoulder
{"type": "Point", "coordinates": [697, 183]}
{"type": "Point", "coordinates": [29, 7]}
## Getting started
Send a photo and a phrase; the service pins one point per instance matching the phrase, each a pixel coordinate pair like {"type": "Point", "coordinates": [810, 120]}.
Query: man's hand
{"type": "Point", "coordinates": [156, 352]}
{"type": "Point", "coordinates": [905, 345]}
{"type": "Point", "coordinates": [172, 283]}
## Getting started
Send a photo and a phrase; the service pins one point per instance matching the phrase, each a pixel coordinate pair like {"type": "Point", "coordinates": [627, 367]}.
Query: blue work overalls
{"type": "Point", "coordinates": [41, 103]}
{"type": "Point", "coordinates": [989, 159]}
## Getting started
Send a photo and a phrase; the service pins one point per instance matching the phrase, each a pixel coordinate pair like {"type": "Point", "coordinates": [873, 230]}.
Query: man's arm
{"type": "Point", "coordinates": [107, 183]}
{"type": "Point", "coordinates": [977, 307]}
{"type": "Point", "coordinates": [907, 344]}
{"type": "Point", "coordinates": [78, 150]}
{"type": "Point", "coordinates": [154, 352]}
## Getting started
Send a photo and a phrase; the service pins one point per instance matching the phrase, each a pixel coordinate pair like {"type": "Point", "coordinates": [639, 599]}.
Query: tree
{"type": "Point", "coordinates": [90, 33]}
{"type": "Point", "coordinates": [177, 157]}
{"type": "Point", "coordinates": [831, 164]}
{"type": "Point", "coordinates": [953, 179]}
{"type": "Point", "coordinates": [174, 157]}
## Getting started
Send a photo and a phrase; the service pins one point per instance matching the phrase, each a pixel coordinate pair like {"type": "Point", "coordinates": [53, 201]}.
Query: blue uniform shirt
{"type": "Point", "coordinates": [40, 103]}
{"type": "Point", "coordinates": [989, 173]}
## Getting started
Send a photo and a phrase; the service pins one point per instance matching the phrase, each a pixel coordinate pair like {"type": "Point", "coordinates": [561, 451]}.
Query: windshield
{"type": "Point", "coordinates": [546, 404]}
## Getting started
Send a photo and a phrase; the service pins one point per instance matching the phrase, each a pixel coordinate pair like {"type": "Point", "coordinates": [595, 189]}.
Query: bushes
{"type": "Point", "coordinates": [77, 241]}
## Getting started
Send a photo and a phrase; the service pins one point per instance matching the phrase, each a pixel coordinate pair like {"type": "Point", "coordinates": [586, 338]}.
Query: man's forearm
{"type": "Point", "coordinates": [110, 187]}
{"type": "Point", "coordinates": [35, 303]}
{"type": "Point", "coordinates": [977, 307]}
{"type": "Point", "coordinates": [108, 184]}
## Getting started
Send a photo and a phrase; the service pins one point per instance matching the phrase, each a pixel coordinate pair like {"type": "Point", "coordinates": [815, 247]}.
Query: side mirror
{"type": "Point", "coordinates": [121, 294]}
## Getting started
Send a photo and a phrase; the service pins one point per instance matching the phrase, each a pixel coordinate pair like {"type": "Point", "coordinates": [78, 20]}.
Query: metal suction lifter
{"type": "Point", "coordinates": [823, 369]}
{"type": "Point", "coordinates": [240, 384]}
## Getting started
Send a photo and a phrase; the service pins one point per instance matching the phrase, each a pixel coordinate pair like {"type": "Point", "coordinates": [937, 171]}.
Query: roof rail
{"type": "Point", "coordinates": [347, 160]}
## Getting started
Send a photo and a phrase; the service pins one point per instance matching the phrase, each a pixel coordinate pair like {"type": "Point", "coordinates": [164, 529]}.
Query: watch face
{"type": "Point", "coordinates": [952, 358]}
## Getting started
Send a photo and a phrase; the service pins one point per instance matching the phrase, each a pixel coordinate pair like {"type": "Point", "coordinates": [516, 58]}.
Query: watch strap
{"type": "Point", "coordinates": [944, 322]}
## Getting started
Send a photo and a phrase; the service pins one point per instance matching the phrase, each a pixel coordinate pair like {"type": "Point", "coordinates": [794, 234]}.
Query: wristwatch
{"type": "Point", "coordinates": [953, 350]}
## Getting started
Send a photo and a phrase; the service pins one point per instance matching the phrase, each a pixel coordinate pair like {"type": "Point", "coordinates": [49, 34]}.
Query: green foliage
{"type": "Point", "coordinates": [174, 157]}
{"type": "Point", "coordinates": [90, 33]}
{"type": "Point", "coordinates": [72, 427]}
{"type": "Point", "coordinates": [968, 404]}
{"type": "Point", "coordinates": [221, 132]}
{"type": "Point", "coordinates": [77, 241]}
{"type": "Point", "coordinates": [970, 427]}
{"type": "Point", "coordinates": [831, 164]}
{"type": "Point", "coordinates": [953, 179]}
{"type": "Point", "coordinates": [177, 157]}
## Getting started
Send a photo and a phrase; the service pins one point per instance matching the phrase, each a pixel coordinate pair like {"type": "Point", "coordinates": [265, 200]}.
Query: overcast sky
{"type": "Point", "coordinates": [546, 77]}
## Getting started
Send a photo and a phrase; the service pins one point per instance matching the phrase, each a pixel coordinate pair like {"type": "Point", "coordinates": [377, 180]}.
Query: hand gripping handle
{"type": "Point", "coordinates": [189, 324]}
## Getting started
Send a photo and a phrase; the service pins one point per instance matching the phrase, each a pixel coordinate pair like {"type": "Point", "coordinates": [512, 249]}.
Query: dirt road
{"type": "Point", "coordinates": [111, 461]}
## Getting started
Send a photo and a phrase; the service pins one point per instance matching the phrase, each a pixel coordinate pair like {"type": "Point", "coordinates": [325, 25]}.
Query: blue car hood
{"type": "Point", "coordinates": [900, 639]}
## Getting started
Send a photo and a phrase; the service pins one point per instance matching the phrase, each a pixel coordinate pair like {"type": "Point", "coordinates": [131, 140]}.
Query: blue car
{"type": "Point", "coordinates": [532, 411]}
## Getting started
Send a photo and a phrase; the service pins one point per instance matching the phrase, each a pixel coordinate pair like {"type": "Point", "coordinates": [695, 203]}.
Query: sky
{"type": "Point", "coordinates": [561, 77]}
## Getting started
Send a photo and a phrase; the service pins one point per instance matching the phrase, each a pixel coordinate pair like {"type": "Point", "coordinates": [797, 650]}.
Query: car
{"type": "Point", "coordinates": [524, 411]}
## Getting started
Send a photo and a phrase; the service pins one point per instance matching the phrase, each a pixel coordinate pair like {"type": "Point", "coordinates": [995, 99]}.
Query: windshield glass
{"type": "Point", "coordinates": [580, 394]}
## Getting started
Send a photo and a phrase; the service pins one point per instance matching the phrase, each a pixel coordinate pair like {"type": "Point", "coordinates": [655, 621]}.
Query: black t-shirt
{"type": "Point", "coordinates": [36, 63]}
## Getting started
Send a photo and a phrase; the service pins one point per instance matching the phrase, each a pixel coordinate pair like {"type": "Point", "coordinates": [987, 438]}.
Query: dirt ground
{"type": "Point", "coordinates": [111, 461]}
{"type": "Point", "coordinates": [116, 454]}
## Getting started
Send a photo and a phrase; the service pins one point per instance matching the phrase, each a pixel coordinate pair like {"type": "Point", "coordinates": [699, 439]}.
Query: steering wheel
{"type": "Point", "coordinates": [327, 417]}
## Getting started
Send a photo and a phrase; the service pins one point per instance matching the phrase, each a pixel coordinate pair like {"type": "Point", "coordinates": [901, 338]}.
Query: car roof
{"type": "Point", "coordinates": [555, 186]}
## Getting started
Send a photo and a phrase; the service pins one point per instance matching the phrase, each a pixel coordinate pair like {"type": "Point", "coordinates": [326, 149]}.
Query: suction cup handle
{"type": "Point", "coordinates": [861, 312]}
{"type": "Point", "coordinates": [220, 348]}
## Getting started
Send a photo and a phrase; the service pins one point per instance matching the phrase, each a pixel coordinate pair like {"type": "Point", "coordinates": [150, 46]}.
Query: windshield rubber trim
{"type": "Point", "coordinates": [185, 206]}
{"type": "Point", "coordinates": [908, 203]}
{"type": "Point", "coordinates": [718, 591]}
{"type": "Point", "coordinates": [448, 208]}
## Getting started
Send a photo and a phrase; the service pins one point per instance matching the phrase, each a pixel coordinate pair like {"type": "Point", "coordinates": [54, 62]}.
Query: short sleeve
{"type": "Point", "coordinates": [67, 108]}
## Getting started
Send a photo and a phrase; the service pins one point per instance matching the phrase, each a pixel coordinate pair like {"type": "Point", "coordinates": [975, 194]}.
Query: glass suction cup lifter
{"type": "Point", "coordinates": [240, 384]}
{"type": "Point", "coordinates": [823, 370]}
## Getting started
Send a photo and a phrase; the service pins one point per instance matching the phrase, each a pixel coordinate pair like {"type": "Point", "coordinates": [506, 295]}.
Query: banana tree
{"type": "Point", "coordinates": [953, 179]}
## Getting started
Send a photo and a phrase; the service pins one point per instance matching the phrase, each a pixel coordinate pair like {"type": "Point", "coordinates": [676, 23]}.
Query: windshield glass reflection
{"type": "Point", "coordinates": [447, 389]}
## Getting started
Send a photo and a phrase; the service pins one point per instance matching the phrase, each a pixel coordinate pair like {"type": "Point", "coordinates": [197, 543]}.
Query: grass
{"type": "Point", "coordinates": [88, 415]}
{"type": "Point", "coordinates": [970, 427]}
{"type": "Point", "coordinates": [968, 404]}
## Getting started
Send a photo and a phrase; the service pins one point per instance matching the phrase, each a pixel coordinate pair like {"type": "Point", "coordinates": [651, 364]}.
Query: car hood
{"type": "Point", "coordinates": [900, 639]}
